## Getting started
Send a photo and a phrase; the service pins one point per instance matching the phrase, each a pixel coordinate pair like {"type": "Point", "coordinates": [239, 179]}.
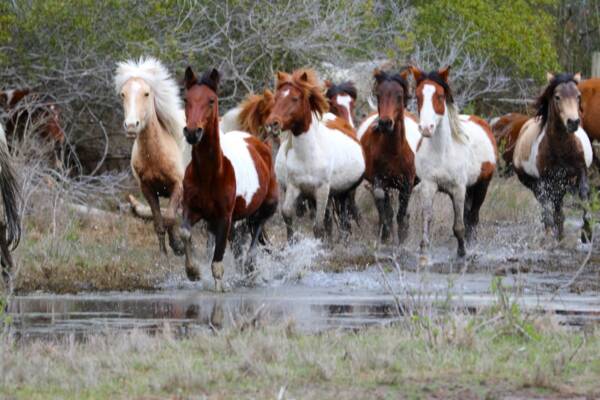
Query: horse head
{"type": "Point", "coordinates": [201, 103]}
{"type": "Point", "coordinates": [433, 94]}
{"type": "Point", "coordinates": [391, 91]}
{"type": "Point", "coordinates": [561, 99]}
{"type": "Point", "coordinates": [138, 105]}
{"type": "Point", "coordinates": [341, 99]}
{"type": "Point", "coordinates": [297, 97]}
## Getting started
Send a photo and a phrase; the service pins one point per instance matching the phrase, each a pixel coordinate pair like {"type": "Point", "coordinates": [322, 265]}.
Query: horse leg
{"type": "Point", "coordinates": [5, 256]}
{"type": "Point", "coordinates": [402, 218]}
{"type": "Point", "coordinates": [256, 223]}
{"type": "Point", "coordinates": [559, 216]}
{"type": "Point", "coordinates": [473, 201]}
{"type": "Point", "coordinates": [352, 207]}
{"type": "Point", "coordinates": [345, 210]}
{"type": "Point", "coordinates": [458, 201]}
{"type": "Point", "coordinates": [328, 219]}
{"type": "Point", "coordinates": [237, 234]}
{"type": "Point", "coordinates": [221, 232]}
{"type": "Point", "coordinates": [159, 226]}
{"type": "Point", "coordinates": [192, 270]}
{"type": "Point", "coordinates": [427, 192]}
{"type": "Point", "coordinates": [584, 196]}
{"type": "Point", "coordinates": [547, 217]}
{"type": "Point", "coordinates": [171, 220]}
{"type": "Point", "coordinates": [289, 207]}
{"type": "Point", "coordinates": [322, 199]}
{"type": "Point", "coordinates": [379, 195]}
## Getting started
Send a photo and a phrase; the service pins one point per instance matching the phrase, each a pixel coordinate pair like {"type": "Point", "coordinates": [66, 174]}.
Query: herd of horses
{"type": "Point", "coordinates": [297, 145]}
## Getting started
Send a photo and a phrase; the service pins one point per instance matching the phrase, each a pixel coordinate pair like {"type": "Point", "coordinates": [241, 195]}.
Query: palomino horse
{"type": "Point", "coordinates": [390, 161]}
{"type": "Point", "coordinates": [10, 225]}
{"type": "Point", "coordinates": [155, 117]}
{"type": "Point", "coordinates": [341, 99]}
{"type": "Point", "coordinates": [553, 153]}
{"type": "Point", "coordinates": [321, 157]}
{"type": "Point", "coordinates": [506, 130]}
{"type": "Point", "coordinates": [457, 156]}
{"type": "Point", "coordinates": [230, 177]}
{"type": "Point", "coordinates": [33, 113]}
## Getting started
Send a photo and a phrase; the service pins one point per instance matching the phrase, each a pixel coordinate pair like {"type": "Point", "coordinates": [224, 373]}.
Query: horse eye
{"type": "Point", "coordinates": [557, 98]}
{"type": "Point", "coordinates": [146, 94]}
{"type": "Point", "coordinates": [122, 95]}
{"type": "Point", "coordinates": [295, 98]}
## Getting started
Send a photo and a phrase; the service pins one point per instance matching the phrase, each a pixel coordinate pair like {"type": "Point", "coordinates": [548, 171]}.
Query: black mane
{"type": "Point", "coordinates": [207, 80]}
{"type": "Point", "coordinates": [542, 104]}
{"type": "Point", "coordinates": [437, 78]}
{"type": "Point", "coordinates": [343, 88]}
{"type": "Point", "coordinates": [382, 76]}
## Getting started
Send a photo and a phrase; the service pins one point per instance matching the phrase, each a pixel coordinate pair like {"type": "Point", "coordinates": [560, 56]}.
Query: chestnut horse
{"type": "Point", "coordinates": [230, 177]}
{"type": "Point", "coordinates": [321, 157]}
{"type": "Point", "coordinates": [552, 153]}
{"type": "Point", "coordinates": [457, 156]}
{"type": "Point", "coordinates": [10, 224]}
{"type": "Point", "coordinates": [155, 117]}
{"type": "Point", "coordinates": [341, 99]}
{"type": "Point", "coordinates": [506, 130]}
{"type": "Point", "coordinates": [30, 112]}
{"type": "Point", "coordinates": [390, 161]}
{"type": "Point", "coordinates": [590, 109]}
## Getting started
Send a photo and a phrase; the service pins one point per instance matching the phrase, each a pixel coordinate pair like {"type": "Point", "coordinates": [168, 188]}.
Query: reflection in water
{"type": "Point", "coordinates": [186, 312]}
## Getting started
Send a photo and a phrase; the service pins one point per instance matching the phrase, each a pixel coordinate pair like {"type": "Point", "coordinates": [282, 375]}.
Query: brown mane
{"type": "Point", "coordinates": [306, 81]}
{"type": "Point", "coordinates": [255, 110]}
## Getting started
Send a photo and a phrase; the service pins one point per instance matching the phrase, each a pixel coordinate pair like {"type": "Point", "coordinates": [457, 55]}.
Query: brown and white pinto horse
{"type": "Point", "coordinates": [506, 131]}
{"type": "Point", "coordinates": [552, 153]}
{"type": "Point", "coordinates": [154, 116]}
{"type": "Point", "coordinates": [457, 156]}
{"type": "Point", "coordinates": [321, 157]}
{"type": "Point", "coordinates": [390, 162]}
{"type": "Point", "coordinates": [35, 113]}
{"type": "Point", "coordinates": [341, 99]}
{"type": "Point", "coordinates": [250, 115]}
{"type": "Point", "coordinates": [230, 177]}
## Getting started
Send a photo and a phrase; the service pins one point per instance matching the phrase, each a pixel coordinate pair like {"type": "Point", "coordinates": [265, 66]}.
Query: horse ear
{"type": "Point", "coordinates": [304, 76]}
{"type": "Point", "coordinates": [549, 76]}
{"type": "Point", "coordinates": [405, 74]}
{"type": "Point", "coordinates": [267, 95]}
{"type": "Point", "coordinates": [416, 72]}
{"type": "Point", "coordinates": [189, 78]}
{"type": "Point", "coordinates": [215, 77]}
{"type": "Point", "coordinates": [376, 72]}
{"type": "Point", "coordinates": [577, 77]}
{"type": "Point", "coordinates": [444, 72]}
{"type": "Point", "coordinates": [281, 77]}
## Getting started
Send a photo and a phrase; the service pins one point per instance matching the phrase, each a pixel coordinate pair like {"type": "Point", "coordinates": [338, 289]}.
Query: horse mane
{"type": "Point", "coordinates": [167, 101]}
{"type": "Point", "coordinates": [254, 111]}
{"type": "Point", "coordinates": [341, 88]}
{"type": "Point", "coordinates": [437, 78]}
{"type": "Point", "coordinates": [382, 76]}
{"type": "Point", "coordinates": [542, 103]}
{"type": "Point", "coordinates": [306, 81]}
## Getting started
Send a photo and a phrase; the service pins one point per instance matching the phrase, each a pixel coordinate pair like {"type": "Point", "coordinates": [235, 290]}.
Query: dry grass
{"type": "Point", "coordinates": [467, 361]}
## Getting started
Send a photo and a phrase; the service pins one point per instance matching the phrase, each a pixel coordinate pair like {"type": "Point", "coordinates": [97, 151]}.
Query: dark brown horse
{"type": "Point", "coordinates": [390, 162]}
{"type": "Point", "coordinates": [35, 113]}
{"type": "Point", "coordinates": [230, 177]}
{"type": "Point", "coordinates": [552, 153]}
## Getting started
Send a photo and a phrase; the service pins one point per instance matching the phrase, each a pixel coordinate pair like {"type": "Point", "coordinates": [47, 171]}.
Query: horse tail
{"type": "Point", "coordinates": [11, 194]}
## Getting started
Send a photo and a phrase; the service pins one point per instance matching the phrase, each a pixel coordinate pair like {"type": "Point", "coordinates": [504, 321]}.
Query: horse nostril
{"type": "Point", "coordinates": [137, 123]}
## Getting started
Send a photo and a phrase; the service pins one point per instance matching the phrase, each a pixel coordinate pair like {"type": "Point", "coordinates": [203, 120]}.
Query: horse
{"type": "Point", "coordinates": [10, 225]}
{"type": "Point", "coordinates": [552, 152]}
{"type": "Point", "coordinates": [590, 107]}
{"type": "Point", "coordinates": [33, 113]}
{"type": "Point", "coordinates": [341, 99]}
{"type": "Point", "coordinates": [230, 177]}
{"type": "Point", "coordinates": [506, 130]}
{"type": "Point", "coordinates": [456, 156]}
{"type": "Point", "coordinates": [321, 157]}
{"type": "Point", "coordinates": [250, 115]}
{"type": "Point", "coordinates": [390, 161]}
{"type": "Point", "coordinates": [155, 117]}
{"type": "Point", "coordinates": [411, 126]}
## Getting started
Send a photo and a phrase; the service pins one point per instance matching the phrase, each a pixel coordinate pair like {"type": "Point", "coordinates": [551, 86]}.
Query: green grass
{"type": "Point", "coordinates": [392, 362]}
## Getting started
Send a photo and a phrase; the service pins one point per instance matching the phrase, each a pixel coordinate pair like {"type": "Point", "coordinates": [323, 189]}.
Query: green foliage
{"type": "Point", "coordinates": [517, 36]}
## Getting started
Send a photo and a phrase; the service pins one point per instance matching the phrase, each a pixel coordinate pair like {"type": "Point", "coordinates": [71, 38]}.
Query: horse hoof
{"type": "Point", "coordinates": [423, 260]}
{"type": "Point", "coordinates": [177, 247]}
{"type": "Point", "coordinates": [220, 286]}
{"type": "Point", "coordinates": [193, 274]}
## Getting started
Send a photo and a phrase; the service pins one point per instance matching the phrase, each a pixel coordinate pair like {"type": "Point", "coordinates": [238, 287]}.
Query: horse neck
{"type": "Point", "coordinates": [150, 135]}
{"type": "Point", "coordinates": [207, 155]}
{"type": "Point", "coordinates": [442, 137]}
{"type": "Point", "coordinates": [305, 143]}
{"type": "Point", "coordinates": [396, 141]}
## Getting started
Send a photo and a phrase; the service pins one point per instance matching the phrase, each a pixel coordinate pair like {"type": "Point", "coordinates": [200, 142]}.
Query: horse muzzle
{"type": "Point", "coordinates": [573, 125]}
{"type": "Point", "coordinates": [385, 126]}
{"type": "Point", "coordinates": [273, 128]}
{"type": "Point", "coordinates": [193, 136]}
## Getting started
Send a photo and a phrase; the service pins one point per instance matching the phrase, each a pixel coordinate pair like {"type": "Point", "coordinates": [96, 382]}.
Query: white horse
{"type": "Point", "coordinates": [155, 117]}
{"type": "Point", "coordinates": [10, 224]}
{"type": "Point", "coordinates": [321, 156]}
{"type": "Point", "coordinates": [457, 156]}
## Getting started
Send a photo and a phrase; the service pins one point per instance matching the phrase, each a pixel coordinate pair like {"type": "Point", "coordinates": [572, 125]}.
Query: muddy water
{"type": "Point", "coordinates": [316, 302]}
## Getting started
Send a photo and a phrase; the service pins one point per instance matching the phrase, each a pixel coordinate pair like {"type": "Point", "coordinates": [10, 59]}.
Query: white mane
{"type": "Point", "coordinates": [167, 102]}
